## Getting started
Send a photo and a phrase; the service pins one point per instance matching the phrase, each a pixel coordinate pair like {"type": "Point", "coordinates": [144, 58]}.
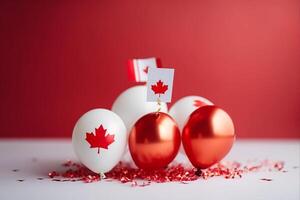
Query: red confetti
{"type": "Point", "coordinates": [177, 173]}
{"type": "Point", "coordinates": [125, 173]}
{"type": "Point", "coordinates": [278, 165]}
{"type": "Point", "coordinates": [53, 174]}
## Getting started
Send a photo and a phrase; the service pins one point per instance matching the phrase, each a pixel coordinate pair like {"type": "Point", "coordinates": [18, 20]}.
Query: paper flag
{"type": "Point", "coordinates": [160, 84]}
{"type": "Point", "coordinates": [138, 68]}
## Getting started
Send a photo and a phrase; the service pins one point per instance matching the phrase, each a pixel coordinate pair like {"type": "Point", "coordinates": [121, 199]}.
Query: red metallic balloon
{"type": "Point", "coordinates": [154, 141]}
{"type": "Point", "coordinates": [207, 136]}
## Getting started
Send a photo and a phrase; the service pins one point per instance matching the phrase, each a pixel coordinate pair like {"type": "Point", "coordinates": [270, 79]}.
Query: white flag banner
{"type": "Point", "coordinates": [138, 68]}
{"type": "Point", "coordinates": [160, 84]}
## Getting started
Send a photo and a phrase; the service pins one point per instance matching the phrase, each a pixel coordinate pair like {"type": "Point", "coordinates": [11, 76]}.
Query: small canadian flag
{"type": "Point", "coordinates": [138, 68]}
{"type": "Point", "coordinates": [160, 84]}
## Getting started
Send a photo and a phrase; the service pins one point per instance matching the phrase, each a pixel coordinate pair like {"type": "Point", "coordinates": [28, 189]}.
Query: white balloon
{"type": "Point", "coordinates": [105, 159]}
{"type": "Point", "coordinates": [132, 104]}
{"type": "Point", "coordinates": [182, 109]}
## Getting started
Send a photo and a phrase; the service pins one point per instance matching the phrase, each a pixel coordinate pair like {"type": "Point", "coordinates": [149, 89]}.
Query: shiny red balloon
{"type": "Point", "coordinates": [207, 136]}
{"type": "Point", "coordinates": [154, 141]}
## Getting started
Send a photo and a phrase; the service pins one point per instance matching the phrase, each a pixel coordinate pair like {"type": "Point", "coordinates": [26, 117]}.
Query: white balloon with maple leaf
{"type": "Point", "coordinates": [181, 110]}
{"type": "Point", "coordinates": [99, 139]}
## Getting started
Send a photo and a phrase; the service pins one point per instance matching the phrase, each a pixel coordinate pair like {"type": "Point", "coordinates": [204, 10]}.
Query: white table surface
{"type": "Point", "coordinates": [49, 154]}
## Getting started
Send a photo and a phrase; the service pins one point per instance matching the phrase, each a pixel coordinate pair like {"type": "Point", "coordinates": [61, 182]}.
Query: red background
{"type": "Point", "coordinates": [61, 58]}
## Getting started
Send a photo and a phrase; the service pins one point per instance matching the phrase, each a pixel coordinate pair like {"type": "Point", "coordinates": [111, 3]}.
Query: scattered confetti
{"type": "Point", "coordinates": [125, 173]}
{"type": "Point", "coordinates": [40, 178]}
{"type": "Point", "coordinates": [15, 170]}
{"type": "Point", "coordinates": [21, 180]}
{"type": "Point", "coordinates": [266, 179]}
{"type": "Point", "coordinates": [53, 174]}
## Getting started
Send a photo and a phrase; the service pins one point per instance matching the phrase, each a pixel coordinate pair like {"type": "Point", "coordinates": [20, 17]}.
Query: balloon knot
{"type": "Point", "coordinates": [102, 175]}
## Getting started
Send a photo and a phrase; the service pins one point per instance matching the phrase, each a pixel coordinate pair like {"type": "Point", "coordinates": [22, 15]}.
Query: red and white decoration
{"type": "Point", "coordinates": [160, 84]}
{"type": "Point", "coordinates": [99, 140]}
{"type": "Point", "coordinates": [100, 136]}
{"type": "Point", "coordinates": [138, 68]}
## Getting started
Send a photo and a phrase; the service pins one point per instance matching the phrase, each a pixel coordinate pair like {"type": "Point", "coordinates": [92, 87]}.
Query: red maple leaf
{"type": "Point", "coordinates": [159, 88]}
{"type": "Point", "coordinates": [99, 140]}
{"type": "Point", "coordinates": [198, 103]}
{"type": "Point", "coordinates": [146, 69]}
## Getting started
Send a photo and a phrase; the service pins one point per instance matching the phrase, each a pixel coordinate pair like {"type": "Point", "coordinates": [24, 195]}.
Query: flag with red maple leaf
{"type": "Point", "coordinates": [159, 88]}
{"type": "Point", "coordinates": [100, 139]}
{"type": "Point", "coordinates": [138, 68]}
{"type": "Point", "coordinates": [160, 84]}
